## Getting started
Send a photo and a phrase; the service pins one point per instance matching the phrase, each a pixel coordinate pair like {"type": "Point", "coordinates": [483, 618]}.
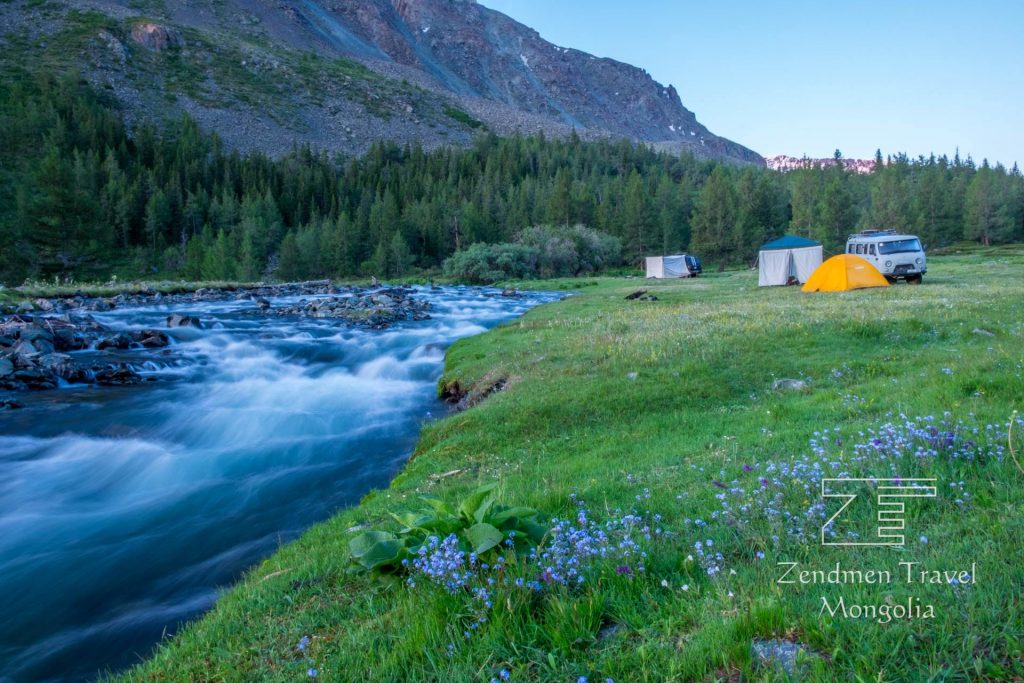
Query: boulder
{"type": "Point", "coordinates": [35, 378]}
{"type": "Point", "coordinates": [781, 655]}
{"type": "Point", "coordinates": [789, 385]}
{"type": "Point", "coordinates": [66, 339]}
{"type": "Point", "coordinates": [25, 351]}
{"type": "Point", "coordinates": [6, 368]}
{"type": "Point", "coordinates": [44, 304]}
{"type": "Point", "coordinates": [156, 37]}
{"type": "Point", "coordinates": [151, 339]}
{"type": "Point", "coordinates": [40, 338]}
{"type": "Point", "coordinates": [102, 305]}
{"type": "Point", "coordinates": [178, 320]}
{"type": "Point", "coordinates": [119, 341]}
{"type": "Point", "coordinates": [117, 375]}
{"type": "Point", "coordinates": [61, 365]}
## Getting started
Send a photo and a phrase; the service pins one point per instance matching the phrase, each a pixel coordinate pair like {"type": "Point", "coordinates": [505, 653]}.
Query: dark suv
{"type": "Point", "coordinates": [693, 265]}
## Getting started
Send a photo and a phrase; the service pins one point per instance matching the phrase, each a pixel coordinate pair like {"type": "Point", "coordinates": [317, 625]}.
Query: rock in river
{"type": "Point", "coordinates": [117, 375]}
{"type": "Point", "coordinates": [118, 341]}
{"type": "Point", "coordinates": [178, 320]}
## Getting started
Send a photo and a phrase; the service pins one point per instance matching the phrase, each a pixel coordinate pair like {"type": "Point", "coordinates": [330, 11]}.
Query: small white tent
{"type": "Point", "coordinates": [785, 258]}
{"type": "Point", "coordinates": [667, 266]}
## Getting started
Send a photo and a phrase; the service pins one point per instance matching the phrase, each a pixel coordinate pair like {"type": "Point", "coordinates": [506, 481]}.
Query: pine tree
{"type": "Point", "coordinates": [988, 215]}
{"type": "Point", "coordinates": [714, 221]}
{"type": "Point", "coordinates": [838, 213]}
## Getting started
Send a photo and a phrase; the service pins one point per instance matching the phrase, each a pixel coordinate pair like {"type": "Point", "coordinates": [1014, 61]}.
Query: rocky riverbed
{"type": "Point", "coordinates": [39, 338]}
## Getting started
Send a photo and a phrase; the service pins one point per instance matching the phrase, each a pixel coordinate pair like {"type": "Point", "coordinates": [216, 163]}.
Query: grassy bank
{"type": "Point", "coordinates": [666, 409]}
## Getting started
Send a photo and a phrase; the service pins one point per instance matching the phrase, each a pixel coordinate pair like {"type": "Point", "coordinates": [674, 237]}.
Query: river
{"type": "Point", "coordinates": [125, 511]}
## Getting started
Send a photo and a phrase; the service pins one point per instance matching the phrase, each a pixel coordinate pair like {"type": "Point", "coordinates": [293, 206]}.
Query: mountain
{"type": "Point", "coordinates": [788, 163]}
{"type": "Point", "coordinates": [267, 74]}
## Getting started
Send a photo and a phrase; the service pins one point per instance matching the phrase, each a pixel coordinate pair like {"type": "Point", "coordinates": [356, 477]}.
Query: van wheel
{"type": "Point", "coordinates": [891, 280]}
{"type": "Point", "coordinates": [915, 279]}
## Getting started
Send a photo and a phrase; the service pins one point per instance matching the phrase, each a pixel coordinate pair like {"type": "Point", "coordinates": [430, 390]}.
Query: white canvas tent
{"type": "Point", "coordinates": [667, 266]}
{"type": "Point", "coordinates": [785, 258]}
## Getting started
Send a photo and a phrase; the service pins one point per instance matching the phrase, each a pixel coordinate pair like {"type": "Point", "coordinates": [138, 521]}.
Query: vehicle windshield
{"type": "Point", "coordinates": [897, 246]}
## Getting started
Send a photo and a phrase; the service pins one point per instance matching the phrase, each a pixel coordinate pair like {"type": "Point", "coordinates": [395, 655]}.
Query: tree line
{"type": "Point", "coordinates": [82, 196]}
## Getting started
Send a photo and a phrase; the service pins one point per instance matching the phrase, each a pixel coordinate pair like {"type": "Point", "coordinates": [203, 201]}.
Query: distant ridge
{"type": "Point", "coordinates": [342, 74]}
{"type": "Point", "coordinates": [788, 163]}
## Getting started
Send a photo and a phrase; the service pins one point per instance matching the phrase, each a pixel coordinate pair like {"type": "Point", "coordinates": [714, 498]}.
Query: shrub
{"type": "Point", "coordinates": [484, 264]}
{"type": "Point", "coordinates": [570, 251]}
{"type": "Point", "coordinates": [539, 251]}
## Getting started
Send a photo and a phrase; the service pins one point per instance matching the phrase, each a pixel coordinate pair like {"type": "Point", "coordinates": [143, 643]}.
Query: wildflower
{"type": "Point", "coordinates": [760, 554]}
{"type": "Point", "coordinates": [664, 583]}
{"type": "Point", "coordinates": [581, 679]}
{"type": "Point", "coordinates": [504, 674]}
{"type": "Point", "coordinates": [312, 673]}
{"type": "Point", "coordinates": [303, 644]}
{"type": "Point", "coordinates": [686, 586]}
{"type": "Point", "coordinates": [924, 540]}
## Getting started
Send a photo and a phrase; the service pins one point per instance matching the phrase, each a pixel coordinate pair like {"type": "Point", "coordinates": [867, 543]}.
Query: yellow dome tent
{"type": "Point", "coordinates": [844, 272]}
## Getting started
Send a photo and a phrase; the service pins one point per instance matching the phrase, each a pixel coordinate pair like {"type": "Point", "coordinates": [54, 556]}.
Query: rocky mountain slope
{"type": "Point", "coordinates": [267, 74]}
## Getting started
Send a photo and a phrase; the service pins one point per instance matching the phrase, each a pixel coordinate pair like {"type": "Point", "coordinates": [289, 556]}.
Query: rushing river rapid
{"type": "Point", "coordinates": [124, 511]}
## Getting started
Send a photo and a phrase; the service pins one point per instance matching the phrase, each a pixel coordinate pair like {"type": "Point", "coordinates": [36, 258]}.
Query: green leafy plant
{"type": "Point", "coordinates": [480, 523]}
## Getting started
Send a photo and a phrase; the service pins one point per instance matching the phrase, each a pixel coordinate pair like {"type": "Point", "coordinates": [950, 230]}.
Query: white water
{"type": "Point", "coordinates": [123, 510]}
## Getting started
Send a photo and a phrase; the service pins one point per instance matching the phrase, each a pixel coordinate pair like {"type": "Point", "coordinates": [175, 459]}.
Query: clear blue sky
{"type": "Point", "coordinates": [809, 76]}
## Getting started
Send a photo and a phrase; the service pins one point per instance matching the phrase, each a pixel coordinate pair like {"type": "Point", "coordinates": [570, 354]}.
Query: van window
{"type": "Point", "coordinates": [849, 248]}
{"type": "Point", "coordinates": [860, 248]}
{"type": "Point", "coordinates": [871, 249]}
{"type": "Point", "coordinates": [897, 246]}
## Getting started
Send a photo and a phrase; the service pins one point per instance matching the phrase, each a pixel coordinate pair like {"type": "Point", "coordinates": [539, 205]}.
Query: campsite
{"type": "Point", "coordinates": [674, 408]}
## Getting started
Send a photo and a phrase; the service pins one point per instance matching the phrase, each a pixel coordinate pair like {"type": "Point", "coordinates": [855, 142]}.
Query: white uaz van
{"type": "Point", "coordinates": [896, 256]}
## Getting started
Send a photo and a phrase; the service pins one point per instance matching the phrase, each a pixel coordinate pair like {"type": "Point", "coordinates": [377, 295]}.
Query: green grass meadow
{"type": "Point", "coordinates": [698, 423]}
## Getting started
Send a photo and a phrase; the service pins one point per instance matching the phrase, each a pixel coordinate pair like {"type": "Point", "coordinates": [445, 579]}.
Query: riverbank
{"type": "Point", "coordinates": [686, 408]}
{"type": "Point", "coordinates": [125, 509]}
